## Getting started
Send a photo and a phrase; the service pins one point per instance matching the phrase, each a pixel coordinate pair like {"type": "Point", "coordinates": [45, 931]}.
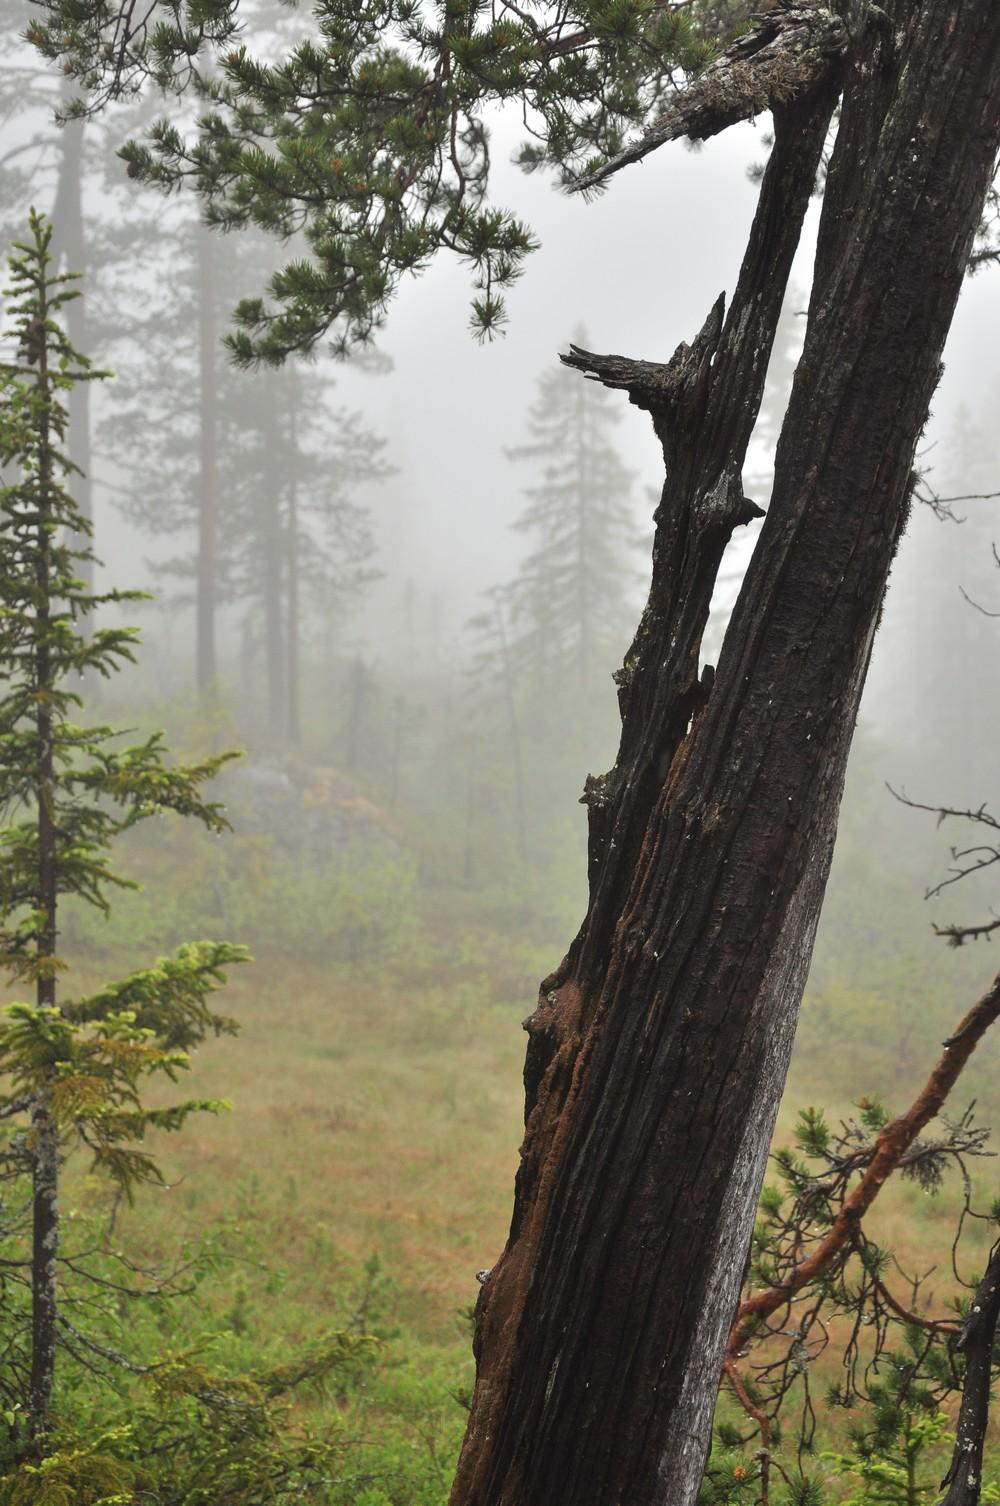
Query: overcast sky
{"type": "Point", "coordinates": [639, 267]}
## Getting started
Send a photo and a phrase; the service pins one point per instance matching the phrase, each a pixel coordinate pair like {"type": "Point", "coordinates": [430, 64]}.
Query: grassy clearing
{"type": "Point", "coordinates": [375, 1120]}
{"type": "Point", "coordinates": [365, 1172]}
{"type": "Point", "coordinates": [362, 1123]}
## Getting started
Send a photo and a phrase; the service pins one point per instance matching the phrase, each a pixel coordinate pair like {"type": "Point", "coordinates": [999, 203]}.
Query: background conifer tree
{"type": "Point", "coordinates": [570, 601]}
{"type": "Point", "coordinates": [294, 541]}
{"type": "Point", "coordinates": [255, 475]}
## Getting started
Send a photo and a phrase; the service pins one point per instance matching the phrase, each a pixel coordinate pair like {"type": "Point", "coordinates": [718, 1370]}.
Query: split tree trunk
{"type": "Point", "coordinates": [659, 1048]}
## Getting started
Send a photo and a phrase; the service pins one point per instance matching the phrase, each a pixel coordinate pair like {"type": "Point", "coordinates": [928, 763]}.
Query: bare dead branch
{"type": "Point", "coordinates": [985, 610]}
{"type": "Point", "coordinates": [957, 935]}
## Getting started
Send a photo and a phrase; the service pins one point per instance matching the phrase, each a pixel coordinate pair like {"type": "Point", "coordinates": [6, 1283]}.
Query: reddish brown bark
{"type": "Point", "coordinates": [890, 1147]}
{"type": "Point", "coordinates": [659, 1048]}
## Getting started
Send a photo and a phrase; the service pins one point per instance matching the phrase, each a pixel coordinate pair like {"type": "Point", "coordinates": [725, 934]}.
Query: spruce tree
{"type": "Point", "coordinates": [294, 542]}
{"type": "Point", "coordinates": [72, 1069]}
{"type": "Point", "coordinates": [253, 475]}
{"type": "Point", "coordinates": [570, 601]}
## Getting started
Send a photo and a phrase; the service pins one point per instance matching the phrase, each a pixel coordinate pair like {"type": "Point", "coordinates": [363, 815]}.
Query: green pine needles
{"type": "Point", "coordinates": [72, 1070]}
{"type": "Point", "coordinates": [370, 139]}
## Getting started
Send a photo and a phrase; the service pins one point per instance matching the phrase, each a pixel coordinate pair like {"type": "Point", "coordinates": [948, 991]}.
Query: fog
{"type": "Point", "coordinates": [414, 504]}
{"type": "Point", "coordinates": [396, 588]}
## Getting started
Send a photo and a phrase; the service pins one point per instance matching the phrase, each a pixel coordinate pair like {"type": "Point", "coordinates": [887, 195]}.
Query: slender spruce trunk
{"type": "Point", "coordinates": [206, 666]}
{"type": "Point", "coordinates": [273, 549]}
{"type": "Point", "coordinates": [248, 656]}
{"type": "Point", "coordinates": [513, 727]}
{"type": "Point", "coordinates": [472, 757]}
{"type": "Point", "coordinates": [396, 752]}
{"type": "Point", "coordinates": [356, 713]}
{"type": "Point", "coordinates": [977, 1341]}
{"type": "Point", "coordinates": [44, 1139]}
{"type": "Point", "coordinates": [580, 444]}
{"type": "Point", "coordinates": [659, 1047]}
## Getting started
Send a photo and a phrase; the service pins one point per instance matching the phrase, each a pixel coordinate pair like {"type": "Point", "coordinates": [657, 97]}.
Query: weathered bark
{"type": "Point", "coordinates": [965, 1475]}
{"type": "Point", "coordinates": [206, 666]}
{"type": "Point", "coordinates": [659, 1048]}
{"type": "Point", "coordinates": [780, 58]}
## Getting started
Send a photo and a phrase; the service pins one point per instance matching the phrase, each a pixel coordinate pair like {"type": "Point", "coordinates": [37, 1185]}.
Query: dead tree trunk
{"type": "Point", "coordinates": [659, 1047]}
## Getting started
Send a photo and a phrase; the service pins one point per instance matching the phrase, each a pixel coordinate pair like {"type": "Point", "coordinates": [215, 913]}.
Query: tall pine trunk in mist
{"type": "Point", "coordinates": [293, 627]}
{"type": "Point", "coordinates": [513, 723]}
{"type": "Point", "coordinates": [70, 245]}
{"type": "Point", "coordinates": [272, 546]}
{"type": "Point", "coordinates": [357, 705]}
{"type": "Point", "coordinates": [659, 1047]}
{"type": "Point", "coordinates": [206, 666]}
{"type": "Point", "coordinates": [70, 250]}
{"type": "Point", "coordinates": [580, 444]}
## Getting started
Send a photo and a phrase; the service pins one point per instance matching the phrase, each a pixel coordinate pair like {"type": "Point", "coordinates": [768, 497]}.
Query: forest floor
{"type": "Point", "coordinates": [365, 1174]}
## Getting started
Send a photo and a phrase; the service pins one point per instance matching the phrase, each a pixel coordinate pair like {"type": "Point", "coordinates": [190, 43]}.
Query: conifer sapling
{"type": "Point", "coordinates": [72, 1070]}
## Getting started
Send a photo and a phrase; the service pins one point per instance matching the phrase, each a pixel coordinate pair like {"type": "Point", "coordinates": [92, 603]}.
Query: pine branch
{"type": "Point", "coordinates": [887, 1153]}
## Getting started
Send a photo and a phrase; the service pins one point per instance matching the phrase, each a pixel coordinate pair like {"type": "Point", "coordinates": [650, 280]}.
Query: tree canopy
{"type": "Point", "coordinates": [371, 136]}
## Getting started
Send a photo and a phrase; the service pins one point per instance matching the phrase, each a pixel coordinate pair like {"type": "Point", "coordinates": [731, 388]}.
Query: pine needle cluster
{"type": "Point", "coordinates": [370, 139]}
